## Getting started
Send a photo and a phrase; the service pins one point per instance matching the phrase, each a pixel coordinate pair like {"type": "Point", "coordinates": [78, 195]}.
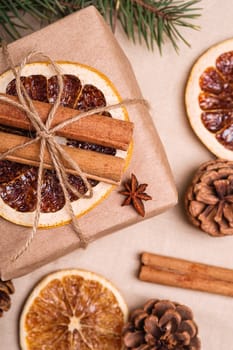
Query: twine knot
{"type": "Point", "coordinates": [45, 134]}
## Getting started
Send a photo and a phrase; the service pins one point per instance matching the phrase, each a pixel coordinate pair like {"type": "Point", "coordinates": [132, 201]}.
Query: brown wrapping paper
{"type": "Point", "coordinates": [85, 37]}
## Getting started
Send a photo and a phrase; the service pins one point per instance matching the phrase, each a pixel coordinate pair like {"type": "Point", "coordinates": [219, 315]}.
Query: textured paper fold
{"type": "Point", "coordinates": [85, 37]}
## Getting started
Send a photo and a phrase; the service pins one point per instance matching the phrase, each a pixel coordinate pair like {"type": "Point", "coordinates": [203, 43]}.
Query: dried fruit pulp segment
{"type": "Point", "coordinates": [79, 93]}
{"type": "Point", "coordinates": [209, 99]}
{"type": "Point", "coordinates": [73, 309]}
{"type": "Point", "coordinates": [217, 99]}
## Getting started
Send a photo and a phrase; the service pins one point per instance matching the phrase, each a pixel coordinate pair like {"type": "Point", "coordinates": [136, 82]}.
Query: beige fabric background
{"type": "Point", "coordinates": [162, 80]}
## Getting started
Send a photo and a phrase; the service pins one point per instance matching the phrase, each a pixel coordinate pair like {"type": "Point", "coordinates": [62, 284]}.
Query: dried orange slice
{"type": "Point", "coordinates": [73, 309]}
{"type": "Point", "coordinates": [84, 88]}
{"type": "Point", "coordinates": [209, 99]}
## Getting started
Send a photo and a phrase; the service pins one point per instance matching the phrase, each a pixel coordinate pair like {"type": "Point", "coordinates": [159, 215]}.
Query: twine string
{"type": "Point", "coordinates": [61, 154]}
{"type": "Point", "coordinates": [48, 141]}
{"type": "Point", "coordinates": [20, 86]}
{"type": "Point", "coordinates": [46, 135]}
{"type": "Point", "coordinates": [38, 203]}
{"type": "Point", "coordinates": [62, 177]}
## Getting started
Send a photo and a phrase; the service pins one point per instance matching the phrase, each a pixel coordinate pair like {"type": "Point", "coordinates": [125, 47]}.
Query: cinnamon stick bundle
{"type": "Point", "coordinates": [186, 274]}
{"type": "Point", "coordinates": [97, 129]}
{"type": "Point", "coordinates": [98, 166]}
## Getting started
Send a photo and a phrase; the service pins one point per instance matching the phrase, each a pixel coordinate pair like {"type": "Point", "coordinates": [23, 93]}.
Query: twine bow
{"type": "Point", "coordinates": [46, 135]}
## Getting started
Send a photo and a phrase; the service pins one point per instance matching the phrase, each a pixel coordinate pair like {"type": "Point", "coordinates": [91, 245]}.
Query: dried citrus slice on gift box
{"type": "Point", "coordinates": [84, 88]}
{"type": "Point", "coordinates": [209, 99]}
{"type": "Point", "coordinates": [73, 309]}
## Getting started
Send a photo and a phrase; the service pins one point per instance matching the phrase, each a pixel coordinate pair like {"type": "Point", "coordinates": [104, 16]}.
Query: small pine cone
{"type": "Point", "coordinates": [161, 325]}
{"type": "Point", "coordinates": [6, 288]}
{"type": "Point", "coordinates": [209, 198]}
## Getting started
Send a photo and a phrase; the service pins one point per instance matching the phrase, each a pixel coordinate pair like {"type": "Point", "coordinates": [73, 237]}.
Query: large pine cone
{"type": "Point", "coordinates": [209, 198]}
{"type": "Point", "coordinates": [161, 325]}
{"type": "Point", "coordinates": [6, 288]}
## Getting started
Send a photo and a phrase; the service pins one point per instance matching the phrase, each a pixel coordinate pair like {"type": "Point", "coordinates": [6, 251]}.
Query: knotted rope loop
{"type": "Point", "coordinates": [47, 141]}
{"type": "Point", "coordinates": [45, 134]}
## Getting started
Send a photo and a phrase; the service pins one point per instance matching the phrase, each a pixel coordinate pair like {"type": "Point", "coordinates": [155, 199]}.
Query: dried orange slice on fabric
{"type": "Point", "coordinates": [84, 88]}
{"type": "Point", "coordinates": [209, 99]}
{"type": "Point", "coordinates": [73, 309]}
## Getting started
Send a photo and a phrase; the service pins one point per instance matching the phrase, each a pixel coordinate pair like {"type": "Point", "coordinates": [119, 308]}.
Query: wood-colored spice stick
{"type": "Point", "coordinates": [98, 166]}
{"type": "Point", "coordinates": [188, 281]}
{"type": "Point", "coordinates": [185, 266]}
{"type": "Point", "coordinates": [186, 274]}
{"type": "Point", "coordinates": [97, 129]}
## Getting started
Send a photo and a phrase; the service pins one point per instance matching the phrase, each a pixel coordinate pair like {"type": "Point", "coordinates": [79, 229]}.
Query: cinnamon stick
{"type": "Point", "coordinates": [98, 166]}
{"type": "Point", "coordinates": [186, 274]}
{"type": "Point", "coordinates": [186, 281]}
{"type": "Point", "coordinates": [185, 266]}
{"type": "Point", "coordinates": [97, 129]}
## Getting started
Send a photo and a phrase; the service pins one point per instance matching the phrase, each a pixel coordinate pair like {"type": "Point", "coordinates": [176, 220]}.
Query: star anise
{"type": "Point", "coordinates": [135, 195]}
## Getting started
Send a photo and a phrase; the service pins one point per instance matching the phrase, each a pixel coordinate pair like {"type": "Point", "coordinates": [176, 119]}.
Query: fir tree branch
{"type": "Point", "coordinates": [150, 20]}
{"type": "Point", "coordinates": [153, 9]}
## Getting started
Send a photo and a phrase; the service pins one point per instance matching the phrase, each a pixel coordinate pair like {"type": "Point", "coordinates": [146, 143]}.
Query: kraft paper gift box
{"type": "Point", "coordinates": [86, 38]}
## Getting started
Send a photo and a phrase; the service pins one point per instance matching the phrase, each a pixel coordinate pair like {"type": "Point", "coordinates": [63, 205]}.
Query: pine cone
{"type": "Point", "coordinates": [209, 199]}
{"type": "Point", "coordinates": [6, 288]}
{"type": "Point", "coordinates": [161, 325]}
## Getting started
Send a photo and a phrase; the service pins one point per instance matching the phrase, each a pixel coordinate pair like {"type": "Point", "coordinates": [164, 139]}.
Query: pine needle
{"type": "Point", "coordinates": [150, 21]}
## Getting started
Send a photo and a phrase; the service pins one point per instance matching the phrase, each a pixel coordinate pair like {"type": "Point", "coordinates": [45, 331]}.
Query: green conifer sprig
{"type": "Point", "coordinates": [146, 20]}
